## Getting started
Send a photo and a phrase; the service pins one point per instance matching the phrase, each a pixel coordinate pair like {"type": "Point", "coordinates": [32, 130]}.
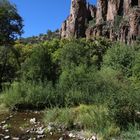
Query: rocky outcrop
{"type": "Point", "coordinates": [115, 7]}
{"type": "Point", "coordinates": [75, 24]}
{"type": "Point", "coordinates": [130, 29]}
{"type": "Point", "coordinates": [102, 6]}
{"type": "Point", "coordinates": [114, 19]}
{"type": "Point", "coordinates": [91, 11]}
{"type": "Point", "coordinates": [128, 4]}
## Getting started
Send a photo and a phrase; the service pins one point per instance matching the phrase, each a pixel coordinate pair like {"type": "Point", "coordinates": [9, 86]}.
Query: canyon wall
{"type": "Point", "coordinates": [75, 24]}
{"type": "Point", "coordinates": [114, 19]}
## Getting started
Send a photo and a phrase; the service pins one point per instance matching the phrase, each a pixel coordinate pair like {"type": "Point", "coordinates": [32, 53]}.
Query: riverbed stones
{"type": "Point", "coordinates": [7, 137]}
{"type": "Point", "coordinates": [5, 126]}
{"type": "Point", "coordinates": [6, 130]}
{"type": "Point", "coordinates": [93, 138]}
{"type": "Point", "coordinates": [15, 138]}
{"type": "Point", "coordinates": [61, 138]}
{"type": "Point", "coordinates": [33, 121]}
{"type": "Point", "coordinates": [27, 131]}
{"type": "Point", "coordinates": [40, 136]}
{"type": "Point", "coordinates": [11, 116]}
{"type": "Point", "coordinates": [50, 128]}
{"type": "Point", "coordinates": [30, 127]}
{"type": "Point", "coordinates": [71, 135]}
{"type": "Point", "coordinates": [1, 135]}
{"type": "Point", "coordinates": [40, 130]}
{"type": "Point", "coordinates": [36, 130]}
{"type": "Point", "coordinates": [3, 122]}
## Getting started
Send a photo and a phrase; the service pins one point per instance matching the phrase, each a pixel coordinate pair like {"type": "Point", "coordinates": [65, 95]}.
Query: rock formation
{"type": "Point", "coordinates": [102, 6]}
{"type": "Point", "coordinates": [114, 19]}
{"type": "Point", "coordinates": [115, 7]}
{"type": "Point", "coordinates": [75, 25]}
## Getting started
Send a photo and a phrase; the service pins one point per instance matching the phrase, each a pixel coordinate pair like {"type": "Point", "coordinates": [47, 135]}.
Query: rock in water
{"type": "Point", "coordinates": [61, 138]}
{"type": "Point", "coordinates": [40, 131]}
{"type": "Point", "coordinates": [33, 121]}
{"type": "Point", "coordinates": [7, 137]}
{"type": "Point", "coordinates": [15, 138]}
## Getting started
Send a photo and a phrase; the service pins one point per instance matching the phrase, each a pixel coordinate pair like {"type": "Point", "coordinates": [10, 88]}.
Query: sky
{"type": "Point", "coordinates": [42, 15]}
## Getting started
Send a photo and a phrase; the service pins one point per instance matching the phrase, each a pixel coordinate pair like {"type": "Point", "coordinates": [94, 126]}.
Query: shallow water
{"type": "Point", "coordinates": [17, 125]}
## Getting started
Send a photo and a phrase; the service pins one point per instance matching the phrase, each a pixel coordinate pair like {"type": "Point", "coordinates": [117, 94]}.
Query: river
{"type": "Point", "coordinates": [19, 126]}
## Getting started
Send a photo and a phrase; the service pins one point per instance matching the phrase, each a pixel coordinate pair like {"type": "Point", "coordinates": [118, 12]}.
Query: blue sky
{"type": "Point", "coordinates": [41, 15]}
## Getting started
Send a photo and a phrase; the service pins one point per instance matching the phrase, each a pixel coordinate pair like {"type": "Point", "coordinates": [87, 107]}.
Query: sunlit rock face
{"type": "Point", "coordinates": [115, 7]}
{"type": "Point", "coordinates": [114, 19]}
{"type": "Point", "coordinates": [80, 13]}
{"type": "Point", "coordinates": [130, 30]}
{"type": "Point", "coordinates": [102, 6]}
{"type": "Point", "coordinates": [74, 26]}
{"type": "Point", "coordinates": [128, 4]}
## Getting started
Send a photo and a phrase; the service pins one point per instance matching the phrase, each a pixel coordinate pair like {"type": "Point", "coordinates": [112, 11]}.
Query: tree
{"type": "Point", "coordinates": [38, 66]}
{"type": "Point", "coordinates": [10, 28]}
{"type": "Point", "coordinates": [120, 57]}
{"type": "Point", "coordinates": [10, 23]}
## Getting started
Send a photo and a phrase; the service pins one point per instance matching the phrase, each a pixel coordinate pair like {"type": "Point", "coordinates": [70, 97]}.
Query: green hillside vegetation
{"type": "Point", "coordinates": [96, 82]}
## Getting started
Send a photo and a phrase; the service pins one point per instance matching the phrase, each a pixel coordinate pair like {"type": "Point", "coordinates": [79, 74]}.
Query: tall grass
{"type": "Point", "coordinates": [93, 118]}
{"type": "Point", "coordinates": [28, 94]}
{"type": "Point", "coordinates": [132, 133]}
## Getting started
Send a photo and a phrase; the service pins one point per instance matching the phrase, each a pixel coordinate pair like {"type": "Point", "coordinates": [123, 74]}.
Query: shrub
{"type": "Point", "coordinates": [136, 66]}
{"type": "Point", "coordinates": [131, 134]}
{"type": "Point", "coordinates": [30, 95]}
{"type": "Point", "coordinates": [120, 57]}
{"type": "Point", "coordinates": [123, 107]}
{"type": "Point", "coordinates": [92, 23]}
{"type": "Point", "coordinates": [82, 52]}
{"type": "Point", "coordinates": [117, 22]}
{"type": "Point", "coordinates": [38, 66]}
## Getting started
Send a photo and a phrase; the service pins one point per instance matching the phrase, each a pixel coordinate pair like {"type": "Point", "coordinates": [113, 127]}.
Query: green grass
{"type": "Point", "coordinates": [3, 109]}
{"type": "Point", "coordinates": [28, 94]}
{"type": "Point", "coordinates": [89, 118]}
{"type": "Point", "coordinates": [133, 133]}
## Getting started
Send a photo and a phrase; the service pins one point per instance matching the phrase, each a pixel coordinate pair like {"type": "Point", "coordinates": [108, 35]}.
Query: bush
{"type": "Point", "coordinates": [82, 52]}
{"type": "Point", "coordinates": [131, 134]}
{"type": "Point", "coordinates": [117, 22]}
{"type": "Point", "coordinates": [120, 57]}
{"type": "Point", "coordinates": [123, 107]}
{"type": "Point", "coordinates": [27, 95]}
{"type": "Point", "coordinates": [38, 66]}
{"type": "Point", "coordinates": [92, 23]}
{"type": "Point", "coordinates": [136, 66]}
{"type": "Point", "coordinates": [78, 85]}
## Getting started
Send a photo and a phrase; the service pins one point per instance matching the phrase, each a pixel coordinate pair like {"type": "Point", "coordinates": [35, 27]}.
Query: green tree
{"type": "Point", "coordinates": [120, 57]}
{"type": "Point", "coordinates": [10, 23]}
{"type": "Point", "coordinates": [89, 53]}
{"type": "Point", "coordinates": [10, 27]}
{"type": "Point", "coordinates": [38, 66]}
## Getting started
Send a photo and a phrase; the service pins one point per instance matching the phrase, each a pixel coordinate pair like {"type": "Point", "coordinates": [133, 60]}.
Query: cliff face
{"type": "Point", "coordinates": [102, 6]}
{"type": "Point", "coordinates": [114, 19]}
{"type": "Point", "coordinates": [115, 7]}
{"type": "Point", "coordinates": [75, 24]}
